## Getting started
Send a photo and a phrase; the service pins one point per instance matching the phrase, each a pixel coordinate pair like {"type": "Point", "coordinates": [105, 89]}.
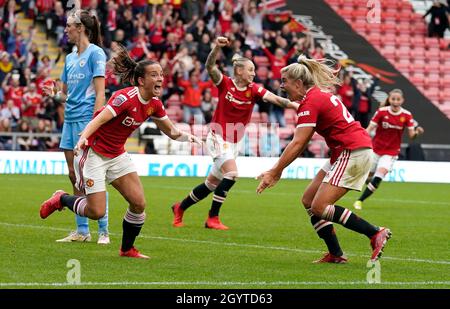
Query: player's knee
{"type": "Point", "coordinates": [306, 201]}
{"type": "Point", "coordinates": [233, 175]}
{"type": "Point", "coordinates": [96, 214]}
{"type": "Point", "coordinates": [138, 206]}
{"type": "Point", "coordinates": [317, 209]}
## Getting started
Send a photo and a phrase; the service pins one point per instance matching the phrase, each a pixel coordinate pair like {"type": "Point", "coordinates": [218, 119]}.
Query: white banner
{"type": "Point", "coordinates": [53, 163]}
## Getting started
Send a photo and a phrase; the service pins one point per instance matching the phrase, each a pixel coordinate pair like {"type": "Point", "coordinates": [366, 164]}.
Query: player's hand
{"type": "Point", "coordinates": [419, 130]}
{"type": "Point", "coordinates": [82, 144]}
{"type": "Point", "coordinates": [268, 180]}
{"type": "Point", "coordinates": [222, 41]}
{"type": "Point", "coordinates": [194, 139]}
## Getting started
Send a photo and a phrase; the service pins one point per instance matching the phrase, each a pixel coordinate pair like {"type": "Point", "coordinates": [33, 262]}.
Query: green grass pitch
{"type": "Point", "coordinates": [270, 243]}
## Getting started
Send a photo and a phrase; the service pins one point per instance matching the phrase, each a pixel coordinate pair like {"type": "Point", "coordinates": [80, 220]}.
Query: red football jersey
{"type": "Point", "coordinates": [390, 126]}
{"type": "Point", "coordinates": [331, 119]}
{"type": "Point", "coordinates": [130, 110]}
{"type": "Point", "coordinates": [234, 108]}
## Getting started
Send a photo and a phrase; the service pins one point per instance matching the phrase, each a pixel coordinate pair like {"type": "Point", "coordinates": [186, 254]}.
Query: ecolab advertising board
{"type": "Point", "coordinates": [53, 163]}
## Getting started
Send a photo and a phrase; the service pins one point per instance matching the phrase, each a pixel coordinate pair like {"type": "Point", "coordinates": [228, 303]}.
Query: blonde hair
{"type": "Point", "coordinates": [393, 91]}
{"type": "Point", "coordinates": [239, 61]}
{"type": "Point", "coordinates": [312, 72]}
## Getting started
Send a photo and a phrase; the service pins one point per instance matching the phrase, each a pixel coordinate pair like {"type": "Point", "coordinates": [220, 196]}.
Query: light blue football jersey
{"type": "Point", "coordinates": [79, 72]}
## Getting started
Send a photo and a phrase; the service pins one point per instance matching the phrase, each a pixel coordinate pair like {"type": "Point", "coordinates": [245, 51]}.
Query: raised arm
{"type": "Point", "coordinates": [211, 67]}
{"type": "Point", "coordinates": [280, 101]}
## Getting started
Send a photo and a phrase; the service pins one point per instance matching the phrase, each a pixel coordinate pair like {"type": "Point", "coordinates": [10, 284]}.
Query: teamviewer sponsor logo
{"type": "Point", "coordinates": [129, 121]}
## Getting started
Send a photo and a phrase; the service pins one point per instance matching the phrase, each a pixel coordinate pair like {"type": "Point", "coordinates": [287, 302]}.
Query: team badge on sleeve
{"type": "Point", "coordinates": [119, 100]}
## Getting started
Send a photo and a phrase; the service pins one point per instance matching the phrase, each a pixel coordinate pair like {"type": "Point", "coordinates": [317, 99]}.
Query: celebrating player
{"type": "Point", "coordinates": [101, 156]}
{"type": "Point", "coordinates": [236, 100]}
{"type": "Point", "coordinates": [320, 111]}
{"type": "Point", "coordinates": [389, 122]}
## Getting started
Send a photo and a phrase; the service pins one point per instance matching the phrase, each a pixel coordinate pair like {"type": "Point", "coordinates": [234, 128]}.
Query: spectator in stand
{"type": "Point", "coordinates": [12, 89]}
{"type": "Point", "coordinates": [345, 92]}
{"type": "Point", "coordinates": [6, 65]}
{"type": "Point", "coordinates": [189, 43]}
{"type": "Point", "coordinates": [362, 99]}
{"type": "Point", "coordinates": [31, 102]}
{"type": "Point", "coordinates": [389, 122]}
{"type": "Point", "coordinates": [10, 112]}
{"type": "Point", "coordinates": [279, 60]}
{"type": "Point", "coordinates": [439, 21]}
{"type": "Point", "coordinates": [199, 30]}
{"type": "Point", "coordinates": [252, 18]}
{"type": "Point", "coordinates": [226, 16]}
{"type": "Point", "coordinates": [126, 24]}
{"type": "Point", "coordinates": [5, 141]}
{"type": "Point", "coordinates": [207, 105]}
{"type": "Point", "coordinates": [204, 48]}
{"type": "Point", "coordinates": [26, 142]}
{"type": "Point", "coordinates": [33, 57]}
{"type": "Point", "coordinates": [27, 77]}
{"type": "Point", "coordinates": [193, 89]}
{"type": "Point", "coordinates": [190, 9]}
{"type": "Point", "coordinates": [46, 143]}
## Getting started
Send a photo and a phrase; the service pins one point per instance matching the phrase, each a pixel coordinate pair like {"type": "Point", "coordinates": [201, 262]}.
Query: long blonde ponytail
{"type": "Point", "coordinates": [312, 72]}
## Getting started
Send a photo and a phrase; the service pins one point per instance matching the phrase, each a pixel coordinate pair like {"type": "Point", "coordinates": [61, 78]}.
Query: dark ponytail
{"type": "Point", "coordinates": [126, 68]}
{"type": "Point", "coordinates": [92, 27]}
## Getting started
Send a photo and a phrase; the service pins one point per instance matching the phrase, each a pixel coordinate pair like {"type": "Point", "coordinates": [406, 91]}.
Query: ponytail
{"type": "Point", "coordinates": [319, 73]}
{"type": "Point", "coordinates": [126, 68]}
{"type": "Point", "coordinates": [122, 64]}
{"type": "Point", "coordinates": [91, 25]}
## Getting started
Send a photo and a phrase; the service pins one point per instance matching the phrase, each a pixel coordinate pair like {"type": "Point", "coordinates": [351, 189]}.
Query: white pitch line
{"type": "Point", "coordinates": [259, 283]}
{"type": "Point", "coordinates": [231, 244]}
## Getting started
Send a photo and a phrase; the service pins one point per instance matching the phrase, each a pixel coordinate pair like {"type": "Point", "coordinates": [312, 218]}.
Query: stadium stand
{"type": "Point", "coordinates": [401, 36]}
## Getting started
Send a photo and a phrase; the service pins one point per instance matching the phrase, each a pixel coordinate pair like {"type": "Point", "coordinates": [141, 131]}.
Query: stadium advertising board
{"type": "Point", "coordinates": [53, 163]}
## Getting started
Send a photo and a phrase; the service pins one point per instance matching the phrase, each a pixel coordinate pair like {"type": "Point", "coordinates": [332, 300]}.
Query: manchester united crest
{"type": "Point", "coordinates": [89, 182]}
{"type": "Point", "coordinates": [248, 94]}
{"type": "Point", "coordinates": [402, 119]}
{"type": "Point", "coordinates": [150, 111]}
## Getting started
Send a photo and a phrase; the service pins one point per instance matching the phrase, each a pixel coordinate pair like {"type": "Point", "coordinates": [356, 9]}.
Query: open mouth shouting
{"type": "Point", "coordinates": [157, 90]}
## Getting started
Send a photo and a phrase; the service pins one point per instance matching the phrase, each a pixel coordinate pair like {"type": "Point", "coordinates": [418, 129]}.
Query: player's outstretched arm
{"type": "Point", "coordinates": [169, 129]}
{"type": "Point", "coordinates": [211, 67]}
{"type": "Point", "coordinates": [280, 101]}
